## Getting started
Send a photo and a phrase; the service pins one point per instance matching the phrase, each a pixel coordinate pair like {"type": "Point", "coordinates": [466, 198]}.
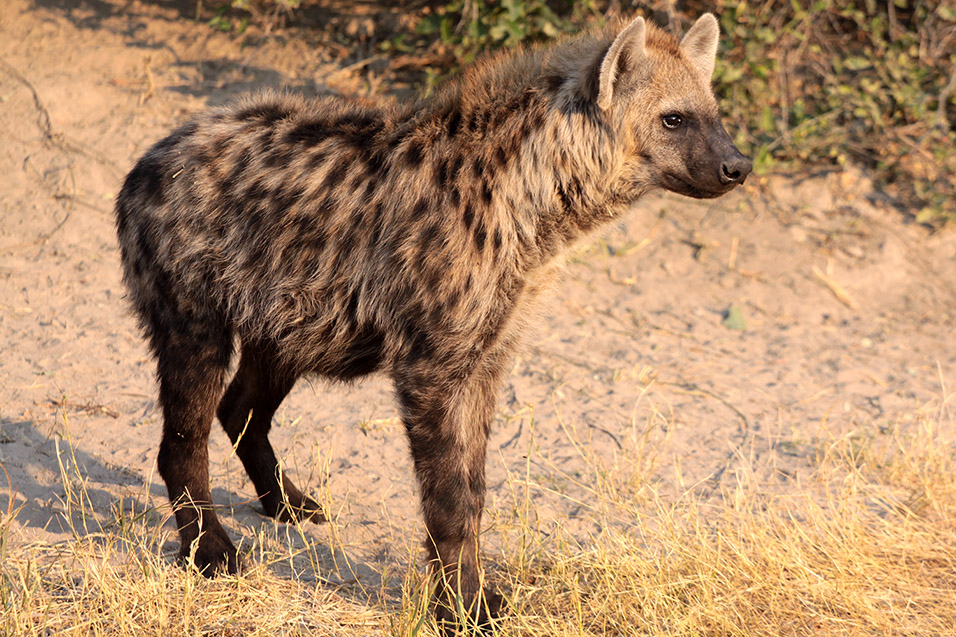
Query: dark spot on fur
{"type": "Point", "coordinates": [475, 121]}
{"type": "Point", "coordinates": [486, 194]}
{"type": "Point", "coordinates": [283, 201]}
{"type": "Point", "coordinates": [535, 119]}
{"type": "Point", "coordinates": [346, 246]}
{"type": "Point", "coordinates": [430, 235]}
{"type": "Point", "coordinates": [433, 280]}
{"type": "Point", "coordinates": [454, 121]}
{"type": "Point", "coordinates": [502, 156]}
{"type": "Point", "coordinates": [356, 223]}
{"type": "Point", "coordinates": [377, 163]}
{"type": "Point", "coordinates": [576, 189]}
{"type": "Point", "coordinates": [456, 166]}
{"type": "Point", "coordinates": [553, 82]}
{"type": "Point", "coordinates": [420, 208]}
{"type": "Point", "coordinates": [266, 113]}
{"type": "Point", "coordinates": [480, 235]}
{"type": "Point", "coordinates": [441, 174]}
{"type": "Point", "coordinates": [145, 243]}
{"type": "Point", "coordinates": [359, 131]}
{"type": "Point", "coordinates": [229, 182]}
{"type": "Point", "coordinates": [335, 176]}
{"type": "Point", "coordinates": [280, 157]}
{"type": "Point", "coordinates": [479, 166]}
{"type": "Point", "coordinates": [420, 345]}
{"type": "Point", "coordinates": [316, 159]}
{"type": "Point", "coordinates": [526, 98]}
{"type": "Point", "coordinates": [363, 354]}
{"type": "Point", "coordinates": [468, 216]}
{"type": "Point", "coordinates": [258, 192]}
{"type": "Point", "coordinates": [453, 298]}
{"type": "Point", "coordinates": [565, 200]}
{"type": "Point", "coordinates": [146, 177]}
{"type": "Point", "coordinates": [413, 154]}
{"type": "Point", "coordinates": [352, 309]}
{"type": "Point", "coordinates": [497, 239]}
{"type": "Point", "coordinates": [309, 133]}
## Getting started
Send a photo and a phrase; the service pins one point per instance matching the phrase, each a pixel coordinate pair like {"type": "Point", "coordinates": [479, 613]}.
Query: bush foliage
{"type": "Point", "coordinates": [807, 84]}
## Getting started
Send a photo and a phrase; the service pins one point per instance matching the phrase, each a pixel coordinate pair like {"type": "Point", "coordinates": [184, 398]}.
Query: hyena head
{"type": "Point", "coordinates": [657, 93]}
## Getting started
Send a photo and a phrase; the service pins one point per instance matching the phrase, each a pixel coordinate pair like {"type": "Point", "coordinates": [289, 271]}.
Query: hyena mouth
{"type": "Point", "coordinates": [681, 186]}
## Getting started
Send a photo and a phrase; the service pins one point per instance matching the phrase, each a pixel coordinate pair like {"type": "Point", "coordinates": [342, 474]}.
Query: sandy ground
{"type": "Point", "coordinates": [847, 309]}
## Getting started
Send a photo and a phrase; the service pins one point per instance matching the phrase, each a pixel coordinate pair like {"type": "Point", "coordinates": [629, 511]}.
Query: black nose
{"type": "Point", "coordinates": [735, 170]}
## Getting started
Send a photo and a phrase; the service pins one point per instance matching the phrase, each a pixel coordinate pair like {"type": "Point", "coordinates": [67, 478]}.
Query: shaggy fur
{"type": "Point", "coordinates": [337, 237]}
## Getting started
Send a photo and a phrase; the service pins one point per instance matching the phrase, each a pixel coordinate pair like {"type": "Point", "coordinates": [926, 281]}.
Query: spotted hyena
{"type": "Point", "coordinates": [338, 238]}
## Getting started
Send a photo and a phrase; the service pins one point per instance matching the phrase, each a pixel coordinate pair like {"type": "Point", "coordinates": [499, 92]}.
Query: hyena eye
{"type": "Point", "coordinates": [672, 120]}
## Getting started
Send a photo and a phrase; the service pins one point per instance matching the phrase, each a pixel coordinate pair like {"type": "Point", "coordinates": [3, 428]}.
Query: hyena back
{"type": "Point", "coordinates": [338, 238]}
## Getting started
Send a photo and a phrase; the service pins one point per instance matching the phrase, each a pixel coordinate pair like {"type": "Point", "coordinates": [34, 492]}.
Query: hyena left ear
{"type": "Point", "coordinates": [627, 48]}
{"type": "Point", "coordinates": [700, 45]}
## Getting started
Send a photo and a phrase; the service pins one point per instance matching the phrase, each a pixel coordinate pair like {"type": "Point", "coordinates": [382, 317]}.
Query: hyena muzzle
{"type": "Point", "coordinates": [338, 238]}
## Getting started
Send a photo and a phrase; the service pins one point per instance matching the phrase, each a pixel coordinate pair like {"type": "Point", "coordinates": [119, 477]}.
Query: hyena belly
{"type": "Point", "coordinates": [336, 238]}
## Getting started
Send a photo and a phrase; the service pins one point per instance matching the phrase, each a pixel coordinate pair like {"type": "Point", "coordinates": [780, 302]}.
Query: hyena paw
{"type": "Point", "coordinates": [478, 615]}
{"type": "Point", "coordinates": [211, 554]}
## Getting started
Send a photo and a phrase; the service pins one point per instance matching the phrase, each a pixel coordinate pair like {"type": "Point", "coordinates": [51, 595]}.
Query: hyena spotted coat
{"type": "Point", "coordinates": [338, 238]}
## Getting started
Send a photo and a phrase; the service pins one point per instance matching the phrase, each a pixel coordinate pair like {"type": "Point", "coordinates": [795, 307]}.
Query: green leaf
{"type": "Point", "coordinates": [515, 32]}
{"type": "Point", "coordinates": [447, 35]}
{"type": "Point", "coordinates": [767, 123]}
{"type": "Point", "coordinates": [857, 63]}
{"type": "Point", "coordinates": [429, 25]}
{"type": "Point", "coordinates": [734, 318]}
{"type": "Point", "coordinates": [764, 160]}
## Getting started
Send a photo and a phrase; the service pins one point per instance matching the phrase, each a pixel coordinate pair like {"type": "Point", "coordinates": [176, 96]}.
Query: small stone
{"type": "Point", "coordinates": [798, 234]}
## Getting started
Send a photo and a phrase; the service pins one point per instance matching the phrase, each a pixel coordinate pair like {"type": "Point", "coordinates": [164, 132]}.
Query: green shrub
{"type": "Point", "coordinates": [834, 82]}
{"type": "Point", "coordinates": [806, 84]}
{"type": "Point", "coordinates": [803, 84]}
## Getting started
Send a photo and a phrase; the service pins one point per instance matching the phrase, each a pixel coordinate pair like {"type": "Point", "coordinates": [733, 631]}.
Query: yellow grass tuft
{"type": "Point", "coordinates": [866, 545]}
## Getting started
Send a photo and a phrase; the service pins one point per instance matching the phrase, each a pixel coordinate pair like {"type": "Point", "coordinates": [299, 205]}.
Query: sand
{"type": "Point", "coordinates": [696, 341]}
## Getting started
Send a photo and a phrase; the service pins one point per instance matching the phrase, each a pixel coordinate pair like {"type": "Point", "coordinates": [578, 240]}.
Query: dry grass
{"type": "Point", "coordinates": [866, 545]}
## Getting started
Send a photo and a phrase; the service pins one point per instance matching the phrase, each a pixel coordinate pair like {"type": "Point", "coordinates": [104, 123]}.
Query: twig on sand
{"type": "Point", "coordinates": [150, 83]}
{"type": "Point", "coordinates": [694, 389]}
{"type": "Point", "coordinates": [51, 138]}
{"type": "Point", "coordinates": [838, 290]}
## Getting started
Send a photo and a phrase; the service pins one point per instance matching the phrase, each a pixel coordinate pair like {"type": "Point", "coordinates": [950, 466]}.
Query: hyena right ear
{"type": "Point", "coordinates": [700, 45]}
{"type": "Point", "coordinates": [628, 47]}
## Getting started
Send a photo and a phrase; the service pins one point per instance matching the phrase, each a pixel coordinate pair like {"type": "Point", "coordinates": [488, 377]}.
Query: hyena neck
{"type": "Point", "coordinates": [540, 158]}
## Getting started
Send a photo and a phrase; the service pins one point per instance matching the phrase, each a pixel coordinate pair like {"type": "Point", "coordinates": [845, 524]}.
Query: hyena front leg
{"type": "Point", "coordinates": [192, 364]}
{"type": "Point", "coordinates": [246, 411]}
{"type": "Point", "coordinates": [448, 424]}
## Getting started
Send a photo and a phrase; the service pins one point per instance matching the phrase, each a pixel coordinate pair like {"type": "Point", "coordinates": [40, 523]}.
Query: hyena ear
{"type": "Point", "coordinates": [625, 52]}
{"type": "Point", "coordinates": [700, 45]}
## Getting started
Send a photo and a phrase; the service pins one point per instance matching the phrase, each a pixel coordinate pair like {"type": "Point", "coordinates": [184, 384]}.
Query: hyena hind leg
{"type": "Point", "coordinates": [246, 412]}
{"type": "Point", "coordinates": [191, 366]}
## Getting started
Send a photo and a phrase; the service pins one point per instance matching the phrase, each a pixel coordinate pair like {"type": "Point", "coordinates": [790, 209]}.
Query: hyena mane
{"type": "Point", "coordinates": [338, 237]}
